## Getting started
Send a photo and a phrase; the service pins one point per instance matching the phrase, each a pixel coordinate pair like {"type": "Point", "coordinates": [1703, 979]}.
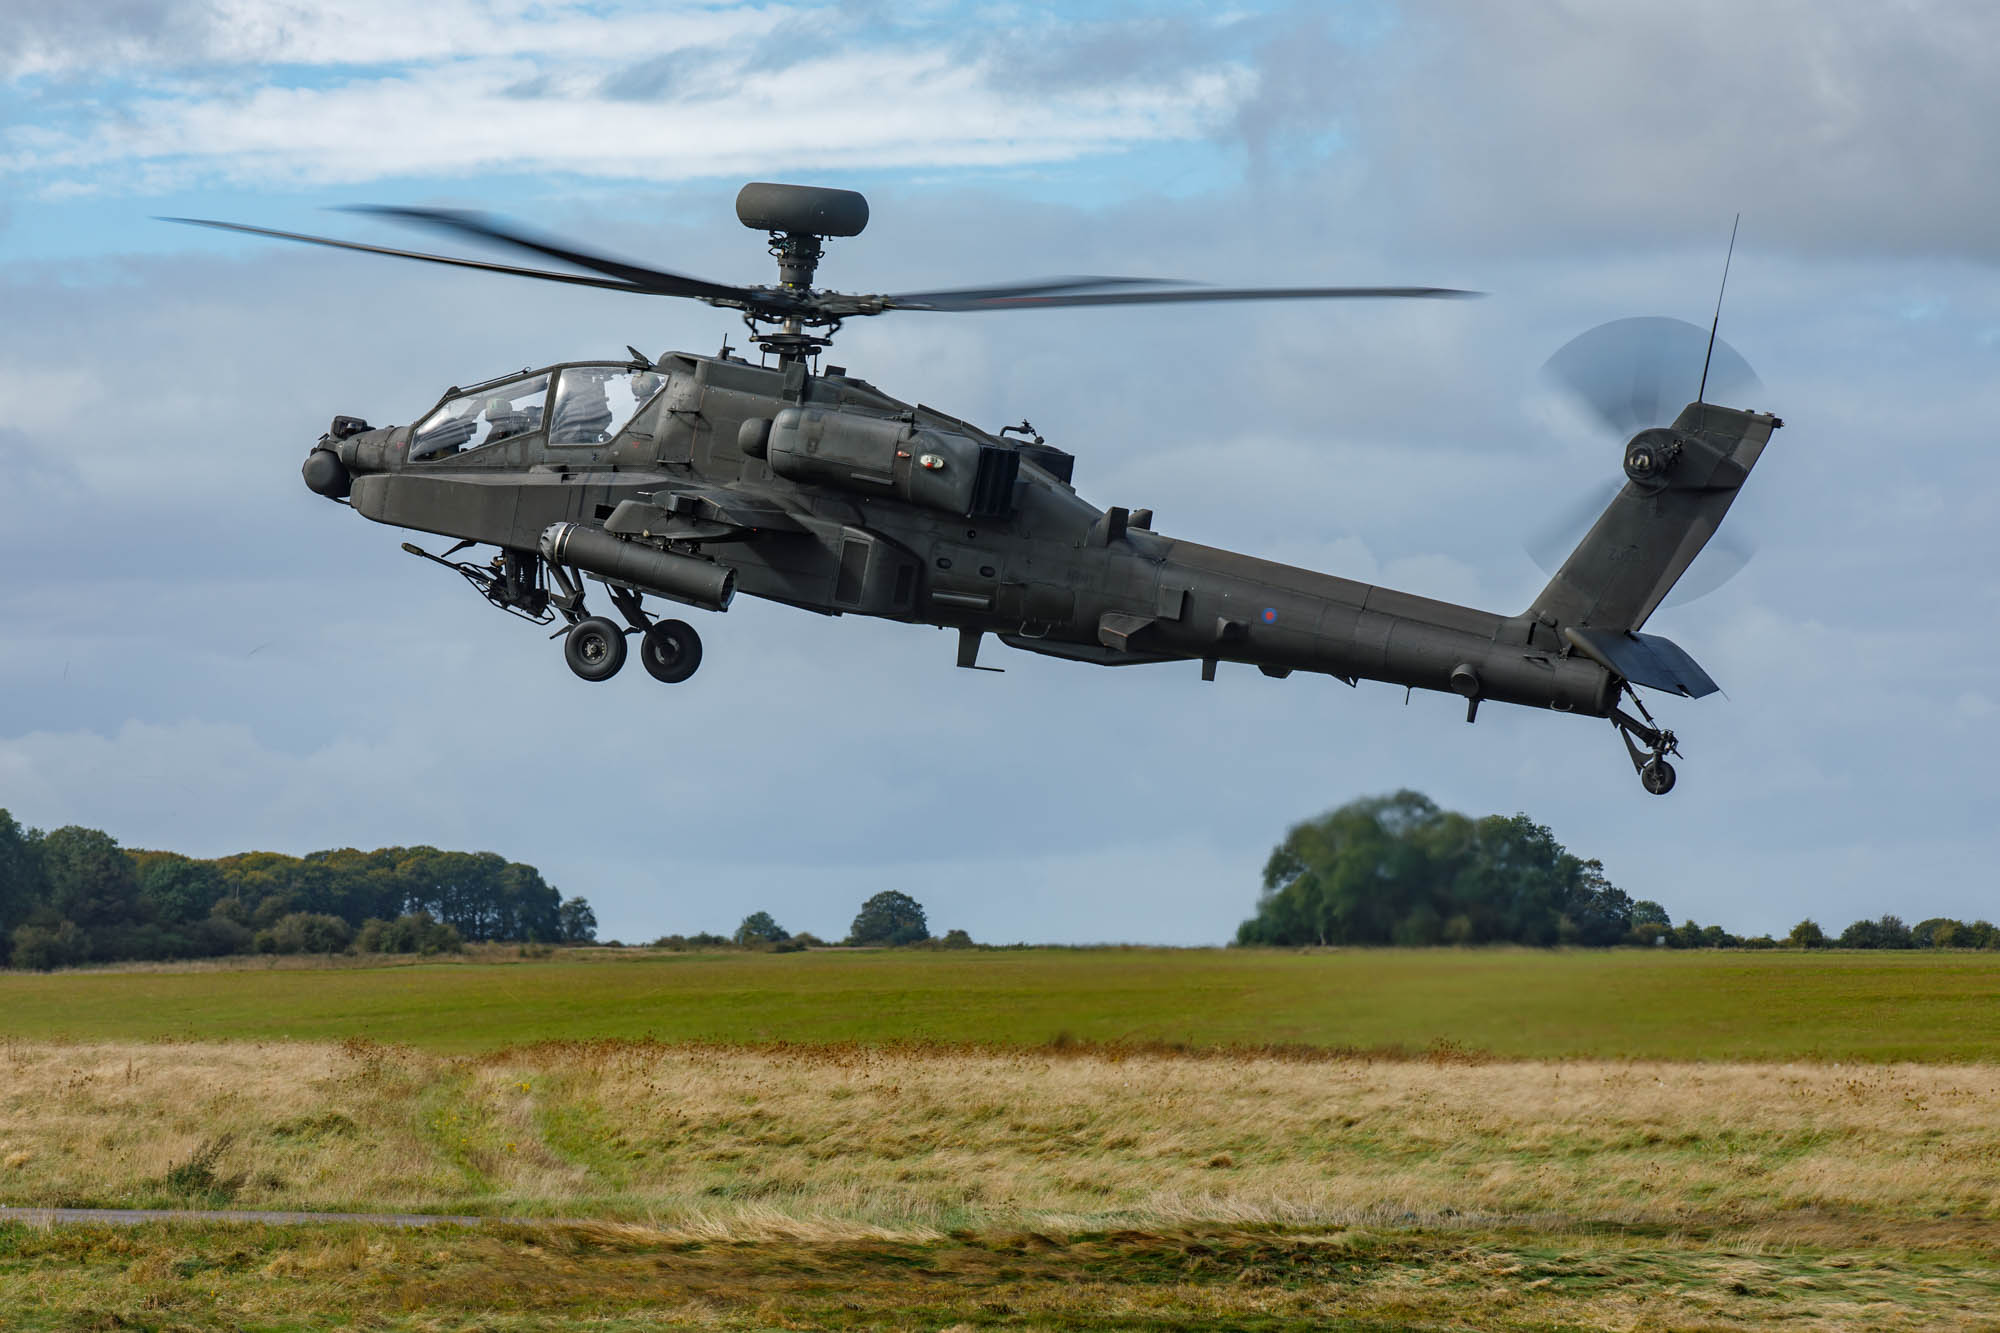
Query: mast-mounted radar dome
{"type": "Point", "coordinates": [807, 210]}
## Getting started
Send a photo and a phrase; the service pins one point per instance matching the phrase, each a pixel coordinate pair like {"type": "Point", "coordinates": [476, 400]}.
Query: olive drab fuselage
{"type": "Point", "coordinates": [695, 478]}
{"type": "Point", "coordinates": [824, 493]}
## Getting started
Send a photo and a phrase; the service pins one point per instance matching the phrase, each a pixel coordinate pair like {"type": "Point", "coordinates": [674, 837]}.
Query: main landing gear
{"type": "Point", "coordinates": [1656, 775]}
{"type": "Point", "coordinates": [595, 648]}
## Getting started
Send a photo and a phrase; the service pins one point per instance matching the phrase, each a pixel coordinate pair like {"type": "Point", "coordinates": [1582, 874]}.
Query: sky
{"type": "Point", "coordinates": [202, 655]}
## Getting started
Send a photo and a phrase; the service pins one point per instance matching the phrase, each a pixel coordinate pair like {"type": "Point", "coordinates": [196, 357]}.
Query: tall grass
{"type": "Point", "coordinates": [916, 1142]}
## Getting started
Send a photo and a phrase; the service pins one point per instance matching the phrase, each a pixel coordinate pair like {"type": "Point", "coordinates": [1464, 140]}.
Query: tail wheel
{"type": "Point", "coordinates": [670, 651]}
{"type": "Point", "coordinates": [594, 648]}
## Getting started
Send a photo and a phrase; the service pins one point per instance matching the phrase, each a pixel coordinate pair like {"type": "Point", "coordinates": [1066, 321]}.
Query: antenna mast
{"type": "Point", "coordinates": [1701, 394]}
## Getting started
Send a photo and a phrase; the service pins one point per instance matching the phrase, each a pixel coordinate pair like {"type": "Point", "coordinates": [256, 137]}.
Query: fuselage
{"type": "Point", "coordinates": [824, 493]}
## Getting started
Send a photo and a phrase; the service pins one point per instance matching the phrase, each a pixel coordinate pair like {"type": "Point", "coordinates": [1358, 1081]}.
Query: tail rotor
{"type": "Point", "coordinates": [1631, 375]}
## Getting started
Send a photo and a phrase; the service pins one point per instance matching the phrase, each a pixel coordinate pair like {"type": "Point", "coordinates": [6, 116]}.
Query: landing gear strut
{"type": "Point", "coordinates": [594, 646]}
{"type": "Point", "coordinates": [670, 650]}
{"type": "Point", "coordinates": [1656, 775]}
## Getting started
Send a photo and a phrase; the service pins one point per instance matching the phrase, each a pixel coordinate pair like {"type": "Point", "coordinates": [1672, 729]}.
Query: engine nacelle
{"type": "Point", "coordinates": [885, 456]}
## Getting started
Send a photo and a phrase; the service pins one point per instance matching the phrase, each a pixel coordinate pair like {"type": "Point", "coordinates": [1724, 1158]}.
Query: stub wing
{"type": "Point", "coordinates": [695, 512]}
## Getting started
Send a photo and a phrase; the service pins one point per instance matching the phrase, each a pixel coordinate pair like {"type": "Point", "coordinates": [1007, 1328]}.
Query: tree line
{"type": "Point", "coordinates": [1398, 870]}
{"type": "Point", "coordinates": [888, 919]}
{"type": "Point", "coordinates": [73, 895]}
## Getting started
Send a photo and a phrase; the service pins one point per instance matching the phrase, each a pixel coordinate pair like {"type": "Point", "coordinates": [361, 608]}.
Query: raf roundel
{"type": "Point", "coordinates": [1270, 615]}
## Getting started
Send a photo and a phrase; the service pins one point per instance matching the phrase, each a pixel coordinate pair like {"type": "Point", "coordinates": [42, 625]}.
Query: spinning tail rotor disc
{"type": "Point", "coordinates": [1627, 376]}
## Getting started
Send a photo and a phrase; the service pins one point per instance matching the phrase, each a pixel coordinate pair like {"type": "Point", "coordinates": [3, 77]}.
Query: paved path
{"type": "Point", "coordinates": [125, 1217]}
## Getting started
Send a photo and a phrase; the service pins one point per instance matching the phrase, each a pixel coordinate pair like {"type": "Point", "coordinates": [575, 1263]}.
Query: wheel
{"type": "Point", "coordinates": [670, 651]}
{"type": "Point", "coordinates": [594, 648]}
{"type": "Point", "coordinates": [1657, 777]}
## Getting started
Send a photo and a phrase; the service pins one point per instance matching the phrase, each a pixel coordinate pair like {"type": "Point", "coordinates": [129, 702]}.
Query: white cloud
{"type": "Point", "coordinates": [139, 38]}
{"type": "Point", "coordinates": [440, 93]}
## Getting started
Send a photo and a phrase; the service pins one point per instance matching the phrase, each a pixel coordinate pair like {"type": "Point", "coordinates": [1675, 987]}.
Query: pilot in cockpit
{"type": "Point", "coordinates": [503, 419]}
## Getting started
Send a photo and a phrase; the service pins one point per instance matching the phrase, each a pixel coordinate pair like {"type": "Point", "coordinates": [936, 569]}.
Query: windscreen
{"type": "Point", "coordinates": [481, 417]}
{"type": "Point", "coordinates": [593, 403]}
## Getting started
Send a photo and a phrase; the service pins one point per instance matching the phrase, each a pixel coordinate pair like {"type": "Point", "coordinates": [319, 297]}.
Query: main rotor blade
{"type": "Point", "coordinates": [973, 298]}
{"type": "Point", "coordinates": [1033, 302]}
{"type": "Point", "coordinates": [576, 279]}
{"type": "Point", "coordinates": [661, 282]}
{"type": "Point", "coordinates": [1634, 373]}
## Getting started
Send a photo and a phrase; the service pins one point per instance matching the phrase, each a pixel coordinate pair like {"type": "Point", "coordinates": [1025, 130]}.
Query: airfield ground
{"type": "Point", "coordinates": [1105, 1139]}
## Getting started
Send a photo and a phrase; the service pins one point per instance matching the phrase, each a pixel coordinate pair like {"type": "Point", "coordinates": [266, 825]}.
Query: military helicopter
{"type": "Point", "coordinates": [693, 478]}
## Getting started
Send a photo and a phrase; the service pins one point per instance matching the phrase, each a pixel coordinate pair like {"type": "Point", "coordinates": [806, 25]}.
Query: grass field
{"type": "Point", "coordinates": [1668, 1005]}
{"type": "Point", "coordinates": [921, 1187]}
{"type": "Point", "coordinates": [1334, 1140]}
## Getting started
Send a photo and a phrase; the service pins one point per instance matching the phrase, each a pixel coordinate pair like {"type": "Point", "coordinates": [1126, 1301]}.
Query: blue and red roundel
{"type": "Point", "coordinates": [1270, 615]}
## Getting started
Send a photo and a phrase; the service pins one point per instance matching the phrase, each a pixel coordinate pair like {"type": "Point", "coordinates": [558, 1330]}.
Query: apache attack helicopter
{"type": "Point", "coordinates": [693, 478]}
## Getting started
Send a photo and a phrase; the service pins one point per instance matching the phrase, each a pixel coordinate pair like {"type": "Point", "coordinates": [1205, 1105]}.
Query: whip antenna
{"type": "Point", "coordinates": [1701, 394]}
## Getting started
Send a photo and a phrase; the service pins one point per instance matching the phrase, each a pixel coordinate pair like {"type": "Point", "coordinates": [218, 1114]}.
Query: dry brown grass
{"type": "Point", "coordinates": [818, 1144]}
{"type": "Point", "coordinates": [921, 1186]}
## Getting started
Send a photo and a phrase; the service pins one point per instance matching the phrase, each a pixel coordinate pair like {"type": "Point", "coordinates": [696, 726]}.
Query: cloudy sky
{"type": "Point", "coordinates": [200, 654]}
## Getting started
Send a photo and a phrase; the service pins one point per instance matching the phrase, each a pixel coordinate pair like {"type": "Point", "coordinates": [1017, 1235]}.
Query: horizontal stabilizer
{"type": "Point", "coordinates": [1651, 660]}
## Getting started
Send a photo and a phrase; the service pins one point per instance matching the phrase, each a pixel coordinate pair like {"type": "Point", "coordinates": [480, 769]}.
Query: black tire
{"type": "Point", "coordinates": [670, 651]}
{"type": "Point", "coordinates": [1657, 777]}
{"type": "Point", "coordinates": [594, 648]}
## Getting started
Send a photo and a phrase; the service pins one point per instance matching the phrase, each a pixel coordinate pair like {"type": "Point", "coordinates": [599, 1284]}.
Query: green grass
{"type": "Point", "coordinates": [1509, 1003]}
{"type": "Point", "coordinates": [193, 1277]}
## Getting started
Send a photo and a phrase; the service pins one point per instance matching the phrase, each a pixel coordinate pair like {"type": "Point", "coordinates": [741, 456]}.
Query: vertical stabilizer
{"type": "Point", "coordinates": [1681, 480]}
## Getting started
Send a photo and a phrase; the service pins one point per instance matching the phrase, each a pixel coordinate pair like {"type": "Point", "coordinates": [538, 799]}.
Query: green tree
{"type": "Point", "coordinates": [175, 887]}
{"type": "Point", "coordinates": [761, 928]}
{"type": "Point", "coordinates": [889, 918]}
{"type": "Point", "coordinates": [90, 880]}
{"type": "Point", "coordinates": [41, 948]}
{"type": "Point", "coordinates": [414, 932]}
{"type": "Point", "coordinates": [1807, 935]}
{"type": "Point", "coordinates": [305, 932]}
{"type": "Point", "coordinates": [21, 886]}
{"type": "Point", "coordinates": [1885, 932]}
{"type": "Point", "coordinates": [1938, 932]}
{"type": "Point", "coordinates": [1351, 875]}
{"type": "Point", "coordinates": [1398, 870]}
{"type": "Point", "coordinates": [575, 922]}
{"type": "Point", "coordinates": [1650, 924]}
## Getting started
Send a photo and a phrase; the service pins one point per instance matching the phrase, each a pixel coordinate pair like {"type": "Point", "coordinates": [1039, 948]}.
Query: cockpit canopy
{"type": "Point", "coordinates": [577, 406]}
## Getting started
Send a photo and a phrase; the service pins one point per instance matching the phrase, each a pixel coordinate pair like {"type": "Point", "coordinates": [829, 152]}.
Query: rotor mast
{"type": "Point", "coordinates": [798, 219]}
